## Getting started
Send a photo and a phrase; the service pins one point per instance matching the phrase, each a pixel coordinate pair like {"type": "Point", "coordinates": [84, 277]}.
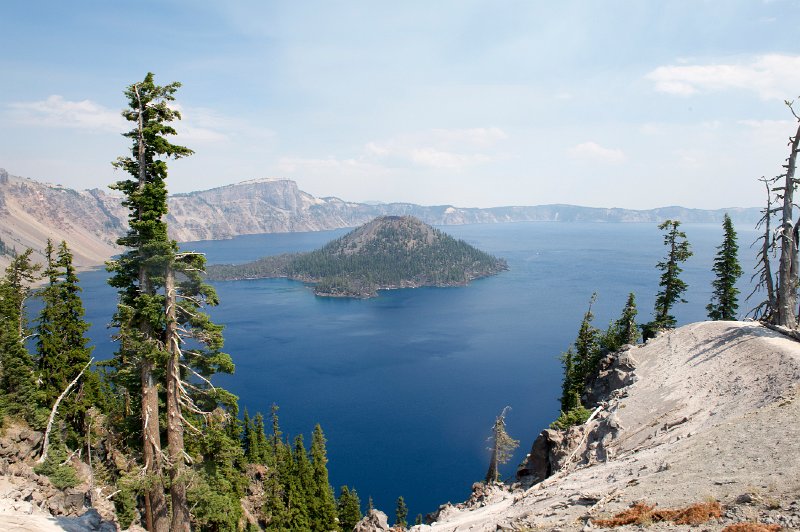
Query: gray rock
{"type": "Point", "coordinates": [374, 521]}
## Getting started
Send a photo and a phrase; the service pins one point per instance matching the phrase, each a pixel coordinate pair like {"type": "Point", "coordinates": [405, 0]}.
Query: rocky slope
{"type": "Point", "coordinates": [91, 220]}
{"type": "Point", "coordinates": [29, 502]}
{"type": "Point", "coordinates": [710, 411]}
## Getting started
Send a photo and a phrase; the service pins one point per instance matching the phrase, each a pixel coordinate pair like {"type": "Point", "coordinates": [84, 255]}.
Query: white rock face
{"type": "Point", "coordinates": [713, 413]}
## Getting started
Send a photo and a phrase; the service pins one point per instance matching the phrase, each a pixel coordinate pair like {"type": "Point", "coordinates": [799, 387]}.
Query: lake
{"type": "Point", "coordinates": [407, 386]}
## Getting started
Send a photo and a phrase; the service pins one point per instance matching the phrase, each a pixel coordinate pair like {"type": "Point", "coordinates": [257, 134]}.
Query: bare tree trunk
{"type": "Point", "coordinates": [787, 272]}
{"type": "Point", "coordinates": [180, 507]}
{"type": "Point", "coordinates": [492, 474]}
{"type": "Point", "coordinates": [46, 444]}
{"type": "Point", "coordinates": [151, 450]}
{"type": "Point", "coordinates": [157, 513]}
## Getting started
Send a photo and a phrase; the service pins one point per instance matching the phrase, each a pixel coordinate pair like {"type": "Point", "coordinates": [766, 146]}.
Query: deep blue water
{"type": "Point", "coordinates": [407, 385]}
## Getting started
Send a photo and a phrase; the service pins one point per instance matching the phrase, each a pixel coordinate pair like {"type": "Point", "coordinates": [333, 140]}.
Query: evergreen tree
{"type": "Point", "coordinates": [261, 452]}
{"type": "Point", "coordinates": [418, 520]}
{"type": "Point", "coordinates": [62, 345]}
{"type": "Point", "coordinates": [401, 513]}
{"type": "Point", "coordinates": [501, 445]}
{"type": "Point", "coordinates": [299, 480]}
{"type": "Point", "coordinates": [19, 395]}
{"type": "Point", "coordinates": [348, 508]}
{"type": "Point", "coordinates": [724, 301]}
{"type": "Point", "coordinates": [622, 331]}
{"type": "Point", "coordinates": [672, 287]}
{"type": "Point", "coordinates": [370, 504]}
{"type": "Point", "coordinates": [216, 493]}
{"type": "Point", "coordinates": [161, 292]}
{"type": "Point", "coordinates": [323, 504]}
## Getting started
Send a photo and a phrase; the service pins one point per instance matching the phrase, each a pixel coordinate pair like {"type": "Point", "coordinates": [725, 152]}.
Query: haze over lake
{"type": "Point", "coordinates": [407, 385]}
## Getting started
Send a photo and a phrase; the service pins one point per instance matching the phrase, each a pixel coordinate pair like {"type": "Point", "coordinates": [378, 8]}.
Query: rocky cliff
{"type": "Point", "coordinates": [707, 412]}
{"type": "Point", "coordinates": [91, 220]}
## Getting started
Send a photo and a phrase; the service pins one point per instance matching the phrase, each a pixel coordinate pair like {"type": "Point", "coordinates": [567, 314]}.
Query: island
{"type": "Point", "coordinates": [385, 253]}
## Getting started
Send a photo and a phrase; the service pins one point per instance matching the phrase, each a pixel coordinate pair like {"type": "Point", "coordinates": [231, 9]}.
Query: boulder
{"type": "Point", "coordinates": [374, 521]}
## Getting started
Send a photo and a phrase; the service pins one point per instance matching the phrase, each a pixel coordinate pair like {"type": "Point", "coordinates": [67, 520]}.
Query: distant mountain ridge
{"type": "Point", "coordinates": [91, 220]}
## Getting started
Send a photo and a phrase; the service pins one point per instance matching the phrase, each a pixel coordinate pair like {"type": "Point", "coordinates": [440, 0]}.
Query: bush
{"type": "Point", "coordinates": [60, 474]}
{"type": "Point", "coordinates": [575, 416]}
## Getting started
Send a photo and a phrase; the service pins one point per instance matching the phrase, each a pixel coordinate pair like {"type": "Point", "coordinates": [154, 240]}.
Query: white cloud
{"type": "Point", "coordinates": [440, 148]}
{"type": "Point", "coordinates": [771, 76]}
{"type": "Point", "coordinates": [592, 151]}
{"type": "Point", "coordinates": [55, 111]}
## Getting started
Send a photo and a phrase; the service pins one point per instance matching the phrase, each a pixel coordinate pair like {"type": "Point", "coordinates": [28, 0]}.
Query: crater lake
{"type": "Point", "coordinates": [407, 385]}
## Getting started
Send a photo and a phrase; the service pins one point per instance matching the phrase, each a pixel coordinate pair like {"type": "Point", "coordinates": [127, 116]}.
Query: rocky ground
{"type": "Point", "coordinates": [29, 502]}
{"type": "Point", "coordinates": [713, 413]}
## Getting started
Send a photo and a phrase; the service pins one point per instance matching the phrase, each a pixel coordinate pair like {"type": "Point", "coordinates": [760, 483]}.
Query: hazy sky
{"type": "Point", "coordinates": [631, 104]}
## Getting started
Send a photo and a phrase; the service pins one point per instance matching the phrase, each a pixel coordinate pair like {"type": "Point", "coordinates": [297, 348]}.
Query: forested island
{"type": "Point", "coordinates": [388, 252]}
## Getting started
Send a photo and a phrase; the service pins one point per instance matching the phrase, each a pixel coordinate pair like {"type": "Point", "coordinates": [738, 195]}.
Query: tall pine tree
{"type": "Point", "coordinates": [62, 345]}
{"type": "Point", "coordinates": [672, 286]}
{"type": "Point", "coordinates": [724, 299]}
{"type": "Point", "coordinates": [323, 504]}
{"type": "Point", "coordinates": [19, 394]}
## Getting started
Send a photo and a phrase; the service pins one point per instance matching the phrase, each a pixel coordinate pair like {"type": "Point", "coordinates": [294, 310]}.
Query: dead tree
{"type": "Point", "coordinates": [767, 309]}
{"type": "Point", "coordinates": [787, 235]}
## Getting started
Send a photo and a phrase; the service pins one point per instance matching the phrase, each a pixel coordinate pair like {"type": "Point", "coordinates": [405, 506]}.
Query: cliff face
{"type": "Point", "coordinates": [90, 221]}
{"type": "Point", "coordinates": [710, 411]}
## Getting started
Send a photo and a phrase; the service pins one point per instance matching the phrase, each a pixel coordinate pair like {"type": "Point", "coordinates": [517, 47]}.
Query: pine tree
{"type": "Point", "coordinates": [261, 452]}
{"type": "Point", "coordinates": [300, 479]}
{"type": "Point", "coordinates": [672, 286]}
{"type": "Point", "coordinates": [501, 445]}
{"type": "Point", "coordinates": [323, 504]}
{"type": "Point", "coordinates": [724, 299]}
{"type": "Point", "coordinates": [348, 508]}
{"type": "Point", "coordinates": [163, 333]}
{"type": "Point", "coordinates": [401, 513]}
{"type": "Point", "coordinates": [62, 345]}
{"type": "Point", "coordinates": [19, 395]}
{"type": "Point", "coordinates": [622, 331]}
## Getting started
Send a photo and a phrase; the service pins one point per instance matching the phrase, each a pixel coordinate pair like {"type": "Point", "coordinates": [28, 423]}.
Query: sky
{"type": "Point", "coordinates": [633, 104]}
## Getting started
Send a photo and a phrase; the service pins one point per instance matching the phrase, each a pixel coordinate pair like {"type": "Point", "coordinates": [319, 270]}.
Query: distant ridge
{"type": "Point", "coordinates": [91, 220]}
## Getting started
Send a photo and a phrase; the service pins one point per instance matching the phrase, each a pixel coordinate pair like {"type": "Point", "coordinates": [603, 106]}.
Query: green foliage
{"type": "Point", "coordinates": [219, 483]}
{"type": "Point", "coordinates": [575, 416]}
{"type": "Point", "coordinates": [401, 513]}
{"type": "Point", "coordinates": [62, 346]}
{"type": "Point", "coordinates": [125, 502]}
{"type": "Point", "coordinates": [19, 394]}
{"type": "Point", "coordinates": [61, 474]}
{"type": "Point", "coordinates": [401, 251]}
{"type": "Point", "coordinates": [724, 299]}
{"type": "Point", "coordinates": [672, 287]}
{"type": "Point", "coordinates": [323, 505]}
{"type": "Point", "coordinates": [501, 445]}
{"type": "Point", "coordinates": [580, 361]}
{"type": "Point", "coordinates": [348, 508]}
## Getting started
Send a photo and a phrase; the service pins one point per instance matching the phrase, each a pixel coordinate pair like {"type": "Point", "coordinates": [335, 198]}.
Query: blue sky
{"type": "Point", "coordinates": [633, 104]}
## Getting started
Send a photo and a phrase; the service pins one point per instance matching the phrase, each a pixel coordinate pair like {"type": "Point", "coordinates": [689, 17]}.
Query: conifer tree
{"type": "Point", "coordinates": [622, 331]}
{"type": "Point", "coordinates": [724, 299]}
{"type": "Point", "coordinates": [672, 287]}
{"type": "Point", "coordinates": [323, 506]}
{"type": "Point", "coordinates": [501, 445]}
{"type": "Point", "coordinates": [19, 395]}
{"type": "Point", "coordinates": [161, 292]}
{"type": "Point", "coordinates": [401, 513]}
{"type": "Point", "coordinates": [262, 451]}
{"type": "Point", "coordinates": [62, 345]}
{"type": "Point", "coordinates": [348, 508]}
{"type": "Point", "coordinates": [299, 479]}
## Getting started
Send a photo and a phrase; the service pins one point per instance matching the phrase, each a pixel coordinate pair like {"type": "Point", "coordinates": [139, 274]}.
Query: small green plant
{"type": "Point", "coordinates": [56, 468]}
{"type": "Point", "coordinates": [574, 416]}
